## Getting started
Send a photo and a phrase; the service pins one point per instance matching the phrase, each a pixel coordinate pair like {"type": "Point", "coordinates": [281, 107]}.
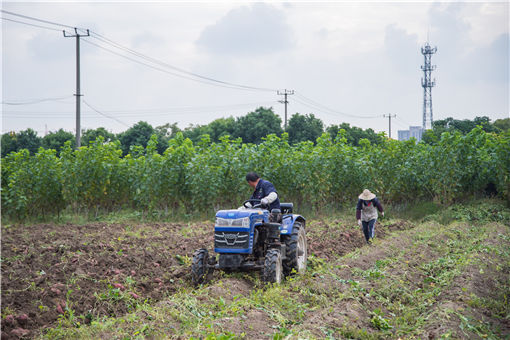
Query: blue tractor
{"type": "Point", "coordinates": [273, 243]}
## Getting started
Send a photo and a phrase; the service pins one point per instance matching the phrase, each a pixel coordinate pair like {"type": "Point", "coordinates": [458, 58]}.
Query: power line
{"type": "Point", "coordinates": [134, 113]}
{"type": "Point", "coordinates": [157, 68]}
{"type": "Point", "coordinates": [29, 24]}
{"type": "Point", "coordinates": [164, 64]}
{"type": "Point", "coordinates": [34, 101]}
{"type": "Point", "coordinates": [182, 73]}
{"type": "Point", "coordinates": [103, 114]}
{"type": "Point", "coordinates": [36, 19]}
{"type": "Point", "coordinates": [330, 112]}
{"type": "Point", "coordinates": [106, 40]}
{"type": "Point", "coordinates": [325, 108]}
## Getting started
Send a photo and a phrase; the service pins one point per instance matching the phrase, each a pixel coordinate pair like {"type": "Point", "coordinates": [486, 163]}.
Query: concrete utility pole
{"type": "Point", "coordinates": [389, 122]}
{"type": "Point", "coordinates": [285, 93]}
{"type": "Point", "coordinates": [77, 94]}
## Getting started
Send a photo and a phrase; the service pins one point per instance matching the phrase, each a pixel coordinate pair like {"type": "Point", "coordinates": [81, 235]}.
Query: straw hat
{"type": "Point", "coordinates": [366, 195]}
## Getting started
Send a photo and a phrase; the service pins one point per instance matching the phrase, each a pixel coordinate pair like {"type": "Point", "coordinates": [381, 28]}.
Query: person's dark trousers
{"type": "Point", "coordinates": [368, 229]}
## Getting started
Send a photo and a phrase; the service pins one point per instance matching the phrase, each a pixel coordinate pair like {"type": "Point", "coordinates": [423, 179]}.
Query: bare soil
{"type": "Point", "coordinates": [47, 267]}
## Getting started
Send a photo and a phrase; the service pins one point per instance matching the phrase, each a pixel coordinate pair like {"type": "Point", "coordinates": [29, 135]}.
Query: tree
{"type": "Point", "coordinates": [502, 124]}
{"type": "Point", "coordinates": [222, 127]}
{"type": "Point", "coordinates": [55, 140]}
{"type": "Point", "coordinates": [451, 125]}
{"type": "Point", "coordinates": [26, 139]}
{"type": "Point", "coordinates": [304, 128]}
{"type": "Point", "coordinates": [354, 134]}
{"type": "Point", "coordinates": [9, 143]}
{"type": "Point", "coordinates": [90, 135]}
{"type": "Point", "coordinates": [138, 134]}
{"type": "Point", "coordinates": [258, 124]}
{"type": "Point", "coordinates": [215, 129]}
{"type": "Point", "coordinates": [167, 130]}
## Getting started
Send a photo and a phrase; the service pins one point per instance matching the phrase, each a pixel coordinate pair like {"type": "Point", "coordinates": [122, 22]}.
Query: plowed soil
{"type": "Point", "coordinates": [97, 269]}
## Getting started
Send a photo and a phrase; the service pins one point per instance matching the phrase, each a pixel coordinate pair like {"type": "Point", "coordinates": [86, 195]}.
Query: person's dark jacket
{"type": "Point", "coordinates": [263, 189]}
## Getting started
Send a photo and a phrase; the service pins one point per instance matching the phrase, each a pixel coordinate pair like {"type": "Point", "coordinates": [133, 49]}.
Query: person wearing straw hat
{"type": "Point", "coordinates": [366, 213]}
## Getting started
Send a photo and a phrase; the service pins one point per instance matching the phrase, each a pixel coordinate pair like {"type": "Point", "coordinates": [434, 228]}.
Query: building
{"type": "Point", "coordinates": [413, 132]}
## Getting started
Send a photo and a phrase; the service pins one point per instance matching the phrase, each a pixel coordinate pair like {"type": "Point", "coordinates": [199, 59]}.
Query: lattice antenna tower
{"type": "Point", "coordinates": [427, 83]}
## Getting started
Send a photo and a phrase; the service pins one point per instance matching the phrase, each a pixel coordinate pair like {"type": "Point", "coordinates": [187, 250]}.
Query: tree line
{"type": "Point", "coordinates": [250, 128]}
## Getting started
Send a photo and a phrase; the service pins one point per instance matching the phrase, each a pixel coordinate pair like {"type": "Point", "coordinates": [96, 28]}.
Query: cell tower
{"type": "Point", "coordinates": [427, 83]}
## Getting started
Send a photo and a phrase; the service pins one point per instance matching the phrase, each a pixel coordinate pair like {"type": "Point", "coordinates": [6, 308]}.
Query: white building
{"type": "Point", "coordinates": [413, 132]}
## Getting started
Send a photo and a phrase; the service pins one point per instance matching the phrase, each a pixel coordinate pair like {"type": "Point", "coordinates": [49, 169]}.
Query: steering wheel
{"type": "Point", "coordinates": [255, 203]}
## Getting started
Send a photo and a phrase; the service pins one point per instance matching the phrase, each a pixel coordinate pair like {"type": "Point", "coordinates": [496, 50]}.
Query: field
{"type": "Point", "coordinates": [432, 272]}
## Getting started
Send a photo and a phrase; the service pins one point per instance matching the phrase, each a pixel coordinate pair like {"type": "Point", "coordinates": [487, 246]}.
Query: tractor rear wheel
{"type": "Point", "coordinates": [273, 271]}
{"type": "Point", "coordinates": [199, 268]}
{"type": "Point", "coordinates": [296, 250]}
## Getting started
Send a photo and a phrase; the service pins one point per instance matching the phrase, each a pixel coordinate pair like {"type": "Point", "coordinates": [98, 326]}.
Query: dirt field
{"type": "Point", "coordinates": [101, 270]}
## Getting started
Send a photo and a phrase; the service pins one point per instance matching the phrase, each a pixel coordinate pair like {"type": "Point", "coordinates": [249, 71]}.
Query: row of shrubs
{"type": "Point", "coordinates": [204, 176]}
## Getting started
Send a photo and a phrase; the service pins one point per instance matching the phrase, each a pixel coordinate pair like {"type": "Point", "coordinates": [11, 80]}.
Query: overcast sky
{"type": "Point", "coordinates": [354, 58]}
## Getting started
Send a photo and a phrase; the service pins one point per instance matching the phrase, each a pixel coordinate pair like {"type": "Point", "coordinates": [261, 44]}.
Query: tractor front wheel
{"type": "Point", "coordinates": [199, 268]}
{"type": "Point", "coordinates": [273, 271]}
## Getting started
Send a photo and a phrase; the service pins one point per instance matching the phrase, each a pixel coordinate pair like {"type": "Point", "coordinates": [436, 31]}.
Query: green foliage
{"type": "Point", "coordinates": [31, 186]}
{"type": "Point", "coordinates": [26, 139]}
{"type": "Point", "coordinates": [205, 176]}
{"type": "Point", "coordinates": [502, 124]}
{"type": "Point", "coordinates": [353, 134]}
{"type": "Point", "coordinates": [8, 143]}
{"type": "Point", "coordinates": [254, 126]}
{"type": "Point", "coordinates": [90, 135]}
{"type": "Point", "coordinates": [304, 128]}
{"type": "Point", "coordinates": [462, 126]}
{"type": "Point", "coordinates": [137, 135]}
{"type": "Point", "coordinates": [56, 140]}
{"type": "Point", "coordinates": [378, 321]}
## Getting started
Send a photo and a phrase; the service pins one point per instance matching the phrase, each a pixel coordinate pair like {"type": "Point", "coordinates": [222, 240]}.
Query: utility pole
{"type": "Point", "coordinates": [285, 93]}
{"type": "Point", "coordinates": [389, 122]}
{"type": "Point", "coordinates": [77, 94]}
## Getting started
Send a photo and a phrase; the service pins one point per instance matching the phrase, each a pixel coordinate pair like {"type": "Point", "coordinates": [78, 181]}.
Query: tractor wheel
{"type": "Point", "coordinates": [199, 268]}
{"type": "Point", "coordinates": [297, 250]}
{"type": "Point", "coordinates": [273, 271]}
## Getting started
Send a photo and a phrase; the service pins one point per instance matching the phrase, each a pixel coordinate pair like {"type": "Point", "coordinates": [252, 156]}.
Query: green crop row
{"type": "Point", "coordinates": [205, 176]}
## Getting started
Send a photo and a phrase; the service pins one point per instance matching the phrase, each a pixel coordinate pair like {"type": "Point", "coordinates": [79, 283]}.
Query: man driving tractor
{"type": "Point", "coordinates": [264, 191]}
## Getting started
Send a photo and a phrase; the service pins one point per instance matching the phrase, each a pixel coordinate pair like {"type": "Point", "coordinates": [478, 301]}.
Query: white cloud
{"type": "Point", "coordinates": [255, 30]}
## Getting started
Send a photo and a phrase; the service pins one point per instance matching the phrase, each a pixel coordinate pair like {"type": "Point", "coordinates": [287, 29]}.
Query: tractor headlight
{"type": "Point", "coordinates": [233, 222]}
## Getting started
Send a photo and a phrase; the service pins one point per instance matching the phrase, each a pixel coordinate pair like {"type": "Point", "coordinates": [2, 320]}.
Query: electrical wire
{"type": "Point", "coordinates": [321, 107]}
{"type": "Point", "coordinates": [329, 112]}
{"type": "Point", "coordinates": [34, 25]}
{"type": "Point", "coordinates": [103, 114]}
{"type": "Point", "coordinates": [133, 113]}
{"type": "Point", "coordinates": [36, 19]}
{"type": "Point", "coordinates": [194, 76]}
{"type": "Point", "coordinates": [34, 101]}
{"type": "Point", "coordinates": [182, 73]}
{"type": "Point", "coordinates": [164, 64]}
{"type": "Point", "coordinates": [163, 70]}
{"type": "Point", "coordinates": [404, 121]}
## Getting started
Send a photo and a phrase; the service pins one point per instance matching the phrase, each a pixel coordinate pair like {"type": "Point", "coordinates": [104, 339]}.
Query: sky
{"type": "Point", "coordinates": [346, 61]}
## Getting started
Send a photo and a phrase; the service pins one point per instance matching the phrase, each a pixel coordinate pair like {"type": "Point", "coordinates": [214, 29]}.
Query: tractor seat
{"type": "Point", "coordinates": [287, 208]}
